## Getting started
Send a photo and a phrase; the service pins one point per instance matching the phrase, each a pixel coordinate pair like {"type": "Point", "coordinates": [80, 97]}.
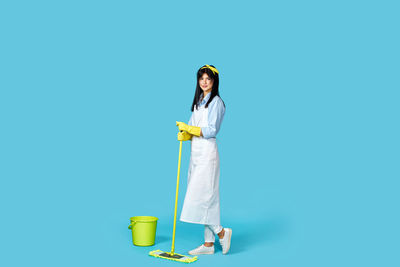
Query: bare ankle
{"type": "Point", "coordinates": [208, 244]}
{"type": "Point", "coordinates": [222, 233]}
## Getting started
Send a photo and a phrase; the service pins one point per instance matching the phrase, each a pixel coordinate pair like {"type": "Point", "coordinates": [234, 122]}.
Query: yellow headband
{"type": "Point", "coordinates": [214, 70]}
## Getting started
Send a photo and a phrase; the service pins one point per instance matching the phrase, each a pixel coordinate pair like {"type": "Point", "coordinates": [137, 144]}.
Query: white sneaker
{"type": "Point", "coordinates": [226, 241]}
{"type": "Point", "coordinates": [202, 250]}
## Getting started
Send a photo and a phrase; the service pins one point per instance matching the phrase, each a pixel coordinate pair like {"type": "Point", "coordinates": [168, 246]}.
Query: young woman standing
{"type": "Point", "coordinates": [202, 202]}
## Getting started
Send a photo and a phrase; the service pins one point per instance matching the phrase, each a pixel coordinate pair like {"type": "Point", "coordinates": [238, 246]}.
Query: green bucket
{"type": "Point", "coordinates": [143, 230]}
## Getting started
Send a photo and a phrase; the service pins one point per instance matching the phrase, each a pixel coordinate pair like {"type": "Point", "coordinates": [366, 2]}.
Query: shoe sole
{"type": "Point", "coordinates": [205, 253]}
{"type": "Point", "coordinates": [229, 242]}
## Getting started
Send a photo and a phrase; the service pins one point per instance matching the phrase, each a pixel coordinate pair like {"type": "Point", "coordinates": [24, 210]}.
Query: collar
{"type": "Point", "coordinates": [206, 98]}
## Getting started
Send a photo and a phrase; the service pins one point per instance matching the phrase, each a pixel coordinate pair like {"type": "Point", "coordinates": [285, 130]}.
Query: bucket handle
{"type": "Point", "coordinates": [131, 225]}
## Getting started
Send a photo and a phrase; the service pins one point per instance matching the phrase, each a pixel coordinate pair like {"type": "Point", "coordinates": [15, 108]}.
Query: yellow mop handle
{"type": "Point", "coordinates": [176, 198]}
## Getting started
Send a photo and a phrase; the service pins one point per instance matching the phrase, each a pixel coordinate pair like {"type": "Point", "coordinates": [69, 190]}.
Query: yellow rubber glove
{"type": "Point", "coordinates": [184, 136]}
{"type": "Point", "coordinates": [193, 130]}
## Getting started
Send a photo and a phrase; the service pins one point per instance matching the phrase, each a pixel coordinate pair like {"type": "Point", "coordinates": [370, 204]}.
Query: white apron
{"type": "Point", "coordinates": [201, 204]}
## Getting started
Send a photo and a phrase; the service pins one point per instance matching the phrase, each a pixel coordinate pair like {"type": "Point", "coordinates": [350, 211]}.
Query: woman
{"type": "Point", "coordinates": [202, 203]}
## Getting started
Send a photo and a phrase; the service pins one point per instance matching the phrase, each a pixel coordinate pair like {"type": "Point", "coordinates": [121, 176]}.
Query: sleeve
{"type": "Point", "coordinates": [216, 112]}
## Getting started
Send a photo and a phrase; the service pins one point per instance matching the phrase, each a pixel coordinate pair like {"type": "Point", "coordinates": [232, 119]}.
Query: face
{"type": "Point", "coordinates": [206, 83]}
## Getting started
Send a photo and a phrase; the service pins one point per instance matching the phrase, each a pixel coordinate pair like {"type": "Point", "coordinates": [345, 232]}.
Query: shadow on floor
{"type": "Point", "coordinates": [251, 234]}
{"type": "Point", "coordinates": [162, 239]}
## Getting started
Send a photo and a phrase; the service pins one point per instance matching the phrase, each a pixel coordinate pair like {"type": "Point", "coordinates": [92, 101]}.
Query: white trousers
{"type": "Point", "coordinates": [210, 231]}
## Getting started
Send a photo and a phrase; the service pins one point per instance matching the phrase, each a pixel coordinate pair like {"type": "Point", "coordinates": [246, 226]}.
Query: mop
{"type": "Point", "coordinates": [172, 255]}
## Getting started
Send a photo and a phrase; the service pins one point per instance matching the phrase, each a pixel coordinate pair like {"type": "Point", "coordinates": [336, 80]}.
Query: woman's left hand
{"type": "Point", "coordinates": [182, 126]}
{"type": "Point", "coordinates": [193, 130]}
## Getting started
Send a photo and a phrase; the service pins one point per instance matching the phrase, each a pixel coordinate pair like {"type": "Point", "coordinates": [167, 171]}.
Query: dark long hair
{"type": "Point", "coordinates": [214, 90]}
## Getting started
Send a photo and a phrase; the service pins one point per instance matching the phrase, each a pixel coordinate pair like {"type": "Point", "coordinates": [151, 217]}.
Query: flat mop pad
{"type": "Point", "coordinates": [175, 257]}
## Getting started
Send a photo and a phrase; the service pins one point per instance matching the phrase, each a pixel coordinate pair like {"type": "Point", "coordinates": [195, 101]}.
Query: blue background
{"type": "Point", "coordinates": [309, 146]}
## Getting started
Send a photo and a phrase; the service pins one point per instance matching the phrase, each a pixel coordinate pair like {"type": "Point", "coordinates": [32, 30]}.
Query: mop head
{"type": "Point", "coordinates": [176, 257]}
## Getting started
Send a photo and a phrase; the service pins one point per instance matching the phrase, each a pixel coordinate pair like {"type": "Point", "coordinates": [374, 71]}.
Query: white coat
{"type": "Point", "coordinates": [202, 204]}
